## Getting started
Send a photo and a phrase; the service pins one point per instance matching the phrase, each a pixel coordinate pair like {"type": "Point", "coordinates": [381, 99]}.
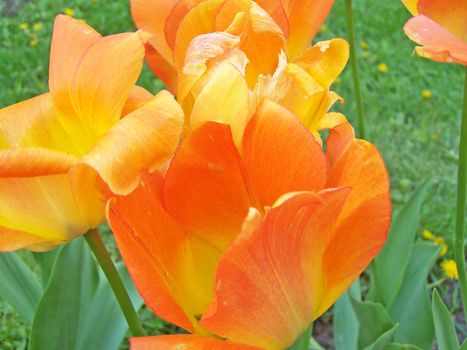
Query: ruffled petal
{"type": "Point", "coordinates": [281, 155]}
{"type": "Point", "coordinates": [362, 227]}
{"type": "Point", "coordinates": [437, 43]}
{"type": "Point", "coordinates": [91, 77]}
{"type": "Point", "coordinates": [151, 16]}
{"type": "Point", "coordinates": [151, 134]}
{"type": "Point", "coordinates": [450, 14]}
{"type": "Point", "coordinates": [138, 97]}
{"type": "Point", "coordinates": [205, 189]}
{"type": "Point", "coordinates": [185, 342]}
{"type": "Point", "coordinates": [276, 10]}
{"type": "Point", "coordinates": [161, 68]}
{"type": "Point", "coordinates": [160, 256]}
{"type": "Point", "coordinates": [269, 281]}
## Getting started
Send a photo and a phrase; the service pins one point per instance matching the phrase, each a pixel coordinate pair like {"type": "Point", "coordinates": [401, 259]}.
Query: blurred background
{"type": "Point", "coordinates": [412, 105]}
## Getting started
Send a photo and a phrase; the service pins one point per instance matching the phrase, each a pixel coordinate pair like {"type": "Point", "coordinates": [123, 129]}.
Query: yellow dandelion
{"type": "Point", "coordinates": [443, 250]}
{"type": "Point", "coordinates": [438, 240]}
{"type": "Point", "coordinates": [365, 54]}
{"type": "Point", "coordinates": [323, 28]}
{"type": "Point", "coordinates": [33, 42]}
{"type": "Point", "coordinates": [449, 268]}
{"type": "Point", "coordinates": [364, 45]}
{"type": "Point", "coordinates": [426, 94]}
{"type": "Point", "coordinates": [37, 26]}
{"type": "Point", "coordinates": [23, 26]}
{"type": "Point", "coordinates": [383, 68]}
{"type": "Point", "coordinates": [428, 235]}
{"type": "Point", "coordinates": [69, 12]}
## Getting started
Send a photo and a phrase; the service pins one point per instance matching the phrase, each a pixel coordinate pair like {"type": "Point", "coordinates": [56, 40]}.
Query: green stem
{"type": "Point", "coordinates": [303, 342]}
{"type": "Point", "coordinates": [355, 74]}
{"type": "Point", "coordinates": [461, 203]}
{"type": "Point", "coordinates": [100, 252]}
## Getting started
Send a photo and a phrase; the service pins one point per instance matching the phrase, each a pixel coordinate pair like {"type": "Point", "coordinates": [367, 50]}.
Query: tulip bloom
{"type": "Point", "coordinates": [223, 57]}
{"type": "Point", "coordinates": [440, 26]}
{"type": "Point", "coordinates": [62, 151]}
{"type": "Point", "coordinates": [252, 244]}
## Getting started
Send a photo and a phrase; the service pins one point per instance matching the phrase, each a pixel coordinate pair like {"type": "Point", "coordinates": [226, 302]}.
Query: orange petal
{"type": "Point", "coordinates": [138, 97]}
{"type": "Point", "coordinates": [364, 222]}
{"type": "Point", "coordinates": [150, 16]}
{"type": "Point", "coordinates": [28, 162]}
{"type": "Point", "coordinates": [205, 186]}
{"type": "Point", "coordinates": [45, 207]}
{"type": "Point", "coordinates": [450, 14]}
{"type": "Point", "coordinates": [305, 19]}
{"type": "Point", "coordinates": [91, 77]}
{"type": "Point", "coordinates": [33, 123]}
{"type": "Point", "coordinates": [159, 256]}
{"type": "Point", "coordinates": [281, 155]}
{"type": "Point", "coordinates": [185, 342]}
{"type": "Point", "coordinates": [151, 135]}
{"type": "Point", "coordinates": [411, 6]}
{"type": "Point", "coordinates": [276, 10]}
{"type": "Point", "coordinates": [325, 61]}
{"type": "Point", "coordinates": [161, 68]}
{"type": "Point", "coordinates": [269, 280]}
{"type": "Point", "coordinates": [437, 43]}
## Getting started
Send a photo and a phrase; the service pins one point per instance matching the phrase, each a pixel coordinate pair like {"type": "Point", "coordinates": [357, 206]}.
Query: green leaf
{"type": "Point", "coordinates": [346, 324]}
{"type": "Point", "coordinates": [19, 286]}
{"type": "Point", "coordinates": [389, 266]}
{"type": "Point", "coordinates": [463, 346]}
{"type": "Point", "coordinates": [444, 326]}
{"type": "Point", "coordinates": [46, 260]}
{"type": "Point", "coordinates": [397, 346]}
{"type": "Point", "coordinates": [78, 309]}
{"type": "Point", "coordinates": [375, 319]}
{"type": "Point", "coordinates": [412, 308]}
{"type": "Point", "coordinates": [383, 341]}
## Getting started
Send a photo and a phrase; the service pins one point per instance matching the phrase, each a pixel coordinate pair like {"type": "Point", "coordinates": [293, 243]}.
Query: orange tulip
{"type": "Point", "coordinates": [440, 26]}
{"type": "Point", "coordinates": [252, 244]}
{"type": "Point", "coordinates": [59, 152]}
{"type": "Point", "coordinates": [223, 57]}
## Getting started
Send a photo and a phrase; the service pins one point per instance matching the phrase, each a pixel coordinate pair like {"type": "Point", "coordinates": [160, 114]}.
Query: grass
{"type": "Point", "coordinates": [418, 137]}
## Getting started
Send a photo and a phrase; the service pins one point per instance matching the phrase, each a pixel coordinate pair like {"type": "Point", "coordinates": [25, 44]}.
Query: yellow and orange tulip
{"type": "Point", "coordinates": [223, 57]}
{"type": "Point", "coordinates": [61, 152]}
{"type": "Point", "coordinates": [440, 27]}
{"type": "Point", "coordinates": [252, 243]}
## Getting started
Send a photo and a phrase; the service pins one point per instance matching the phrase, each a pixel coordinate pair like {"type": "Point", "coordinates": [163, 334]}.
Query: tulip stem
{"type": "Point", "coordinates": [97, 246]}
{"type": "Point", "coordinates": [355, 74]}
{"type": "Point", "coordinates": [461, 203]}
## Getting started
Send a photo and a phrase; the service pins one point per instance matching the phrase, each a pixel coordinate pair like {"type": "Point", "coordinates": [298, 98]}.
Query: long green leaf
{"type": "Point", "coordinates": [397, 346]}
{"type": "Point", "coordinates": [78, 309]}
{"type": "Point", "coordinates": [412, 307]}
{"type": "Point", "coordinates": [444, 326]}
{"type": "Point", "coordinates": [383, 341]}
{"type": "Point", "coordinates": [464, 345]}
{"type": "Point", "coordinates": [390, 265]}
{"type": "Point", "coordinates": [19, 286]}
{"type": "Point", "coordinates": [345, 323]}
{"type": "Point", "coordinates": [375, 320]}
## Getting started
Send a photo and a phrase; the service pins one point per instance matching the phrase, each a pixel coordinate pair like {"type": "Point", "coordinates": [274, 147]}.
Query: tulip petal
{"type": "Point", "coordinates": [138, 97]}
{"type": "Point", "coordinates": [185, 342]}
{"type": "Point", "coordinates": [276, 10]}
{"type": "Point", "coordinates": [437, 43]}
{"type": "Point", "coordinates": [205, 187]}
{"type": "Point", "coordinates": [44, 207]}
{"type": "Point", "coordinates": [33, 123]}
{"type": "Point", "coordinates": [161, 68]}
{"type": "Point", "coordinates": [450, 14]}
{"type": "Point", "coordinates": [305, 19]}
{"type": "Point", "coordinates": [160, 257]}
{"type": "Point", "coordinates": [411, 6]}
{"type": "Point", "coordinates": [362, 227]}
{"type": "Point", "coordinates": [281, 155]}
{"type": "Point", "coordinates": [223, 98]}
{"type": "Point", "coordinates": [91, 77]}
{"type": "Point", "coordinates": [151, 135]}
{"type": "Point", "coordinates": [268, 282]}
{"type": "Point", "coordinates": [29, 162]}
{"type": "Point", "coordinates": [151, 16]}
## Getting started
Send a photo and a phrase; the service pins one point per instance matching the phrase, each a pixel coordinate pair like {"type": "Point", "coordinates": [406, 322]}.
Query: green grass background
{"type": "Point", "coordinates": [418, 137]}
